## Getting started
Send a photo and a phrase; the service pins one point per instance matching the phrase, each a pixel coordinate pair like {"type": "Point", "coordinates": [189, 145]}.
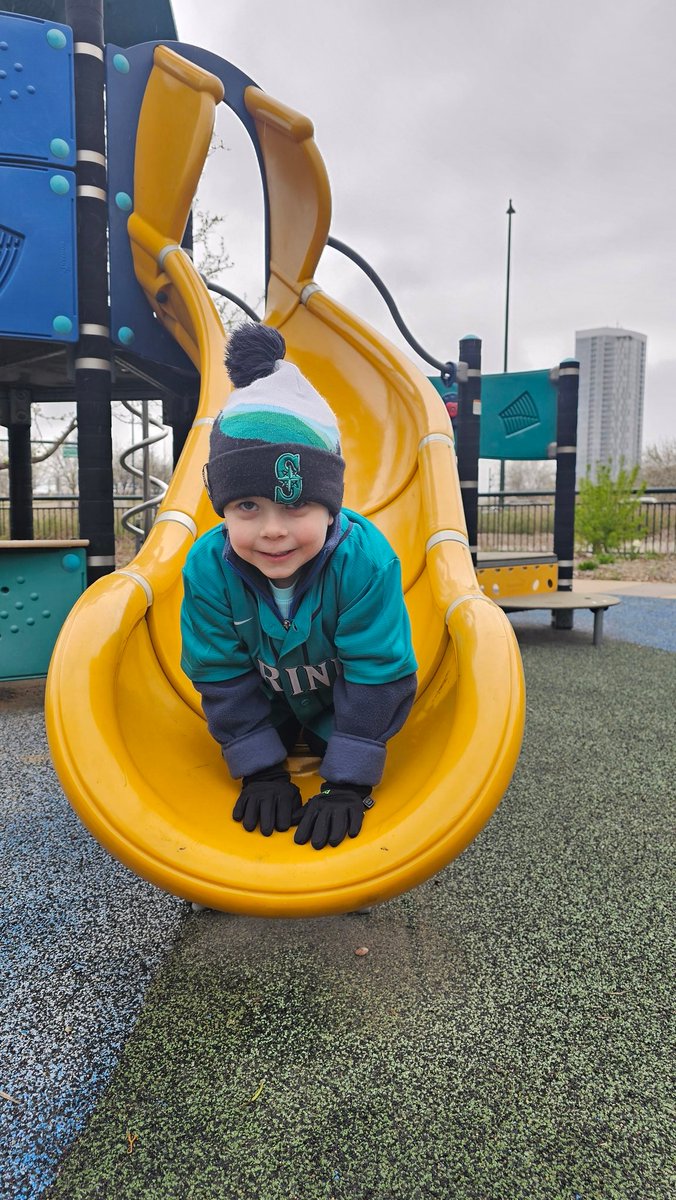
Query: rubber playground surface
{"type": "Point", "coordinates": [507, 1035]}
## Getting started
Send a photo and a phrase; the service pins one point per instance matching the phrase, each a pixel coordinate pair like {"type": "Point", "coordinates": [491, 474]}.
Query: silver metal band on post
{"type": "Point", "coordinates": [436, 437]}
{"type": "Point", "coordinates": [88, 48]}
{"type": "Point", "coordinates": [566, 562]}
{"type": "Point", "coordinates": [165, 252]}
{"type": "Point", "coordinates": [100, 560]}
{"type": "Point", "coordinates": [140, 580]}
{"type": "Point", "coordinates": [566, 450]}
{"type": "Point", "coordinates": [181, 518]}
{"type": "Point", "coordinates": [92, 193]}
{"type": "Point", "coordinates": [462, 600]}
{"type": "Point", "coordinates": [92, 156]}
{"type": "Point", "coordinates": [569, 371]}
{"type": "Point", "coordinates": [474, 372]}
{"type": "Point", "coordinates": [92, 364]}
{"type": "Point", "coordinates": [88, 330]}
{"type": "Point", "coordinates": [446, 535]}
{"type": "Point", "coordinates": [469, 483]}
{"type": "Point", "coordinates": [309, 290]}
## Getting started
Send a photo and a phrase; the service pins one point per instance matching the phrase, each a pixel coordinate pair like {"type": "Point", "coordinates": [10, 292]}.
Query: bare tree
{"type": "Point", "coordinates": [212, 260]}
{"type": "Point", "coordinates": [209, 250]}
{"type": "Point", "coordinates": [45, 448]}
{"type": "Point", "coordinates": [530, 476]}
{"type": "Point", "coordinates": [658, 464]}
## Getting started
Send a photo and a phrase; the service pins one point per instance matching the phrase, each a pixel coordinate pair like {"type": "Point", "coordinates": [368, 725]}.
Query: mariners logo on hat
{"type": "Point", "coordinates": [287, 470]}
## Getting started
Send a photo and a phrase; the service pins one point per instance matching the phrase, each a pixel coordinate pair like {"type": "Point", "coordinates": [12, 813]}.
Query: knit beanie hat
{"type": "Point", "coordinates": [276, 436]}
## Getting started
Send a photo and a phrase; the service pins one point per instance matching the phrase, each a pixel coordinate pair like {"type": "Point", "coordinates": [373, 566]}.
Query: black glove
{"type": "Point", "coordinates": [337, 810]}
{"type": "Point", "coordinates": [268, 798]}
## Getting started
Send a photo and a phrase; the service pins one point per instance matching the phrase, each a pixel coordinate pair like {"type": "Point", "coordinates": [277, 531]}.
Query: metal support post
{"type": "Point", "coordinates": [20, 468]}
{"type": "Point", "coordinates": [564, 503]}
{"type": "Point", "coordinates": [467, 428]}
{"type": "Point", "coordinates": [93, 388]}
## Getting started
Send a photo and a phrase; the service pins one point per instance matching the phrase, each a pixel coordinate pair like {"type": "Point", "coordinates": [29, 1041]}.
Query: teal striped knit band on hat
{"type": "Point", "coordinates": [276, 436]}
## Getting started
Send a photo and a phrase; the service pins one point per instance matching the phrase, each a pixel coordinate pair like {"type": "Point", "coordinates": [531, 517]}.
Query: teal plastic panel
{"type": "Point", "coordinates": [518, 415]}
{"type": "Point", "coordinates": [38, 588]}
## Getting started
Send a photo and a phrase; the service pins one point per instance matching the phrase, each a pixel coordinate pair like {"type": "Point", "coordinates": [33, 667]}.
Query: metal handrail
{"type": "Point", "coordinates": [221, 291]}
{"type": "Point", "coordinates": [447, 370]}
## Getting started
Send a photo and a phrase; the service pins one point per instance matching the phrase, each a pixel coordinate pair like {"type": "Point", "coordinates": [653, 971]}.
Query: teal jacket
{"type": "Point", "coordinates": [342, 664]}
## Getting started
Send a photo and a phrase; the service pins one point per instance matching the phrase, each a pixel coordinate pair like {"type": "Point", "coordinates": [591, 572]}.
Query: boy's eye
{"type": "Point", "coordinates": [299, 504]}
{"type": "Point", "coordinates": [246, 505]}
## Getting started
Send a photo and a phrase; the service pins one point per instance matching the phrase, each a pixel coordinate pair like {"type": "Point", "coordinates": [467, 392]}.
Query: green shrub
{"type": "Point", "coordinates": [608, 511]}
{"type": "Point", "coordinates": [589, 564]}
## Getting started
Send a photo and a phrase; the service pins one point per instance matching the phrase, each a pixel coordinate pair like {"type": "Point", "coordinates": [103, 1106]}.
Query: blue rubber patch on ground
{"type": "Point", "coordinates": [639, 619]}
{"type": "Point", "coordinates": [81, 938]}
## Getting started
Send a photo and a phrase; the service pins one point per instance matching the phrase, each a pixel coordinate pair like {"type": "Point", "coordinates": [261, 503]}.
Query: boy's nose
{"type": "Point", "coordinates": [275, 526]}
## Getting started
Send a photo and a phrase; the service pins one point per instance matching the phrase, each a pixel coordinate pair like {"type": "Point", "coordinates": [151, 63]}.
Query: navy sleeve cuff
{"type": "Point", "coordinates": [254, 752]}
{"type": "Point", "coordinates": [352, 759]}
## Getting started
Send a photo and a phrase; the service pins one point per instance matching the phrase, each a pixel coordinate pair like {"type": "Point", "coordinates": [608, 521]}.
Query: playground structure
{"type": "Point", "coordinates": [533, 415]}
{"type": "Point", "coordinates": [525, 415]}
{"type": "Point", "coordinates": [126, 732]}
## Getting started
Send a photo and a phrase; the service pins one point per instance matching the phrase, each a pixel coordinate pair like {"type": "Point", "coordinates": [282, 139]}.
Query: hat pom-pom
{"type": "Point", "coordinates": [252, 352]}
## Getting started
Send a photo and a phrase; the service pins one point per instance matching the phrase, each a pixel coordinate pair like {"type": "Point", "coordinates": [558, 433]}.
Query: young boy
{"type": "Point", "coordinates": [293, 617]}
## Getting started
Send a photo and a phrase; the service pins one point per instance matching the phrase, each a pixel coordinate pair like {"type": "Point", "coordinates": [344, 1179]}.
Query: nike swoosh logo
{"type": "Point", "coordinates": [244, 622]}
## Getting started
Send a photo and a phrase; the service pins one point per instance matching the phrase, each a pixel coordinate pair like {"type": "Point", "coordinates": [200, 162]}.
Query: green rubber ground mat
{"type": "Point", "coordinates": [505, 1038]}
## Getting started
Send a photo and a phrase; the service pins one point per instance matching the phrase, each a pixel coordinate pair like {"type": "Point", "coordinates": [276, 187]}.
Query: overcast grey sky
{"type": "Point", "coordinates": [430, 116]}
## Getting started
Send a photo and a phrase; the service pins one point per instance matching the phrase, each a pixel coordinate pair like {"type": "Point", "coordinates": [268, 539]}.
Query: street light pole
{"type": "Point", "coordinates": [510, 213]}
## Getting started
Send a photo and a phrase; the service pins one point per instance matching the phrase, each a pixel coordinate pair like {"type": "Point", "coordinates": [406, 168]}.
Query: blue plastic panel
{"type": "Point", "coordinates": [37, 96]}
{"type": "Point", "coordinates": [38, 588]}
{"type": "Point", "coordinates": [38, 268]}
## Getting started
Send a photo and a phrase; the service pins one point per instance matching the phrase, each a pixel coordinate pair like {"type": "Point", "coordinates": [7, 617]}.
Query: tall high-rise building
{"type": "Point", "coordinates": [610, 413]}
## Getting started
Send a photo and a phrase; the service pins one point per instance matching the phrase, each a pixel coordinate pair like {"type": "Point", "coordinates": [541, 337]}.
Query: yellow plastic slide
{"type": "Point", "coordinates": [125, 727]}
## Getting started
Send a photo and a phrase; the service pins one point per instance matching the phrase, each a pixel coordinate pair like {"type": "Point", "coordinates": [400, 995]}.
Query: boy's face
{"type": "Point", "coordinates": [278, 539]}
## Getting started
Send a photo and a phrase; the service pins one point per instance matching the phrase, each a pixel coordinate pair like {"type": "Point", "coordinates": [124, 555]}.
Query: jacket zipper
{"type": "Point", "coordinates": [250, 583]}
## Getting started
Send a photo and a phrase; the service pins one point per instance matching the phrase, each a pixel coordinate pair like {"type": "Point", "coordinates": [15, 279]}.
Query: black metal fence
{"type": "Point", "coordinates": [508, 521]}
{"type": "Point", "coordinates": [519, 522]}
{"type": "Point", "coordinates": [523, 522]}
{"type": "Point", "coordinates": [56, 517]}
